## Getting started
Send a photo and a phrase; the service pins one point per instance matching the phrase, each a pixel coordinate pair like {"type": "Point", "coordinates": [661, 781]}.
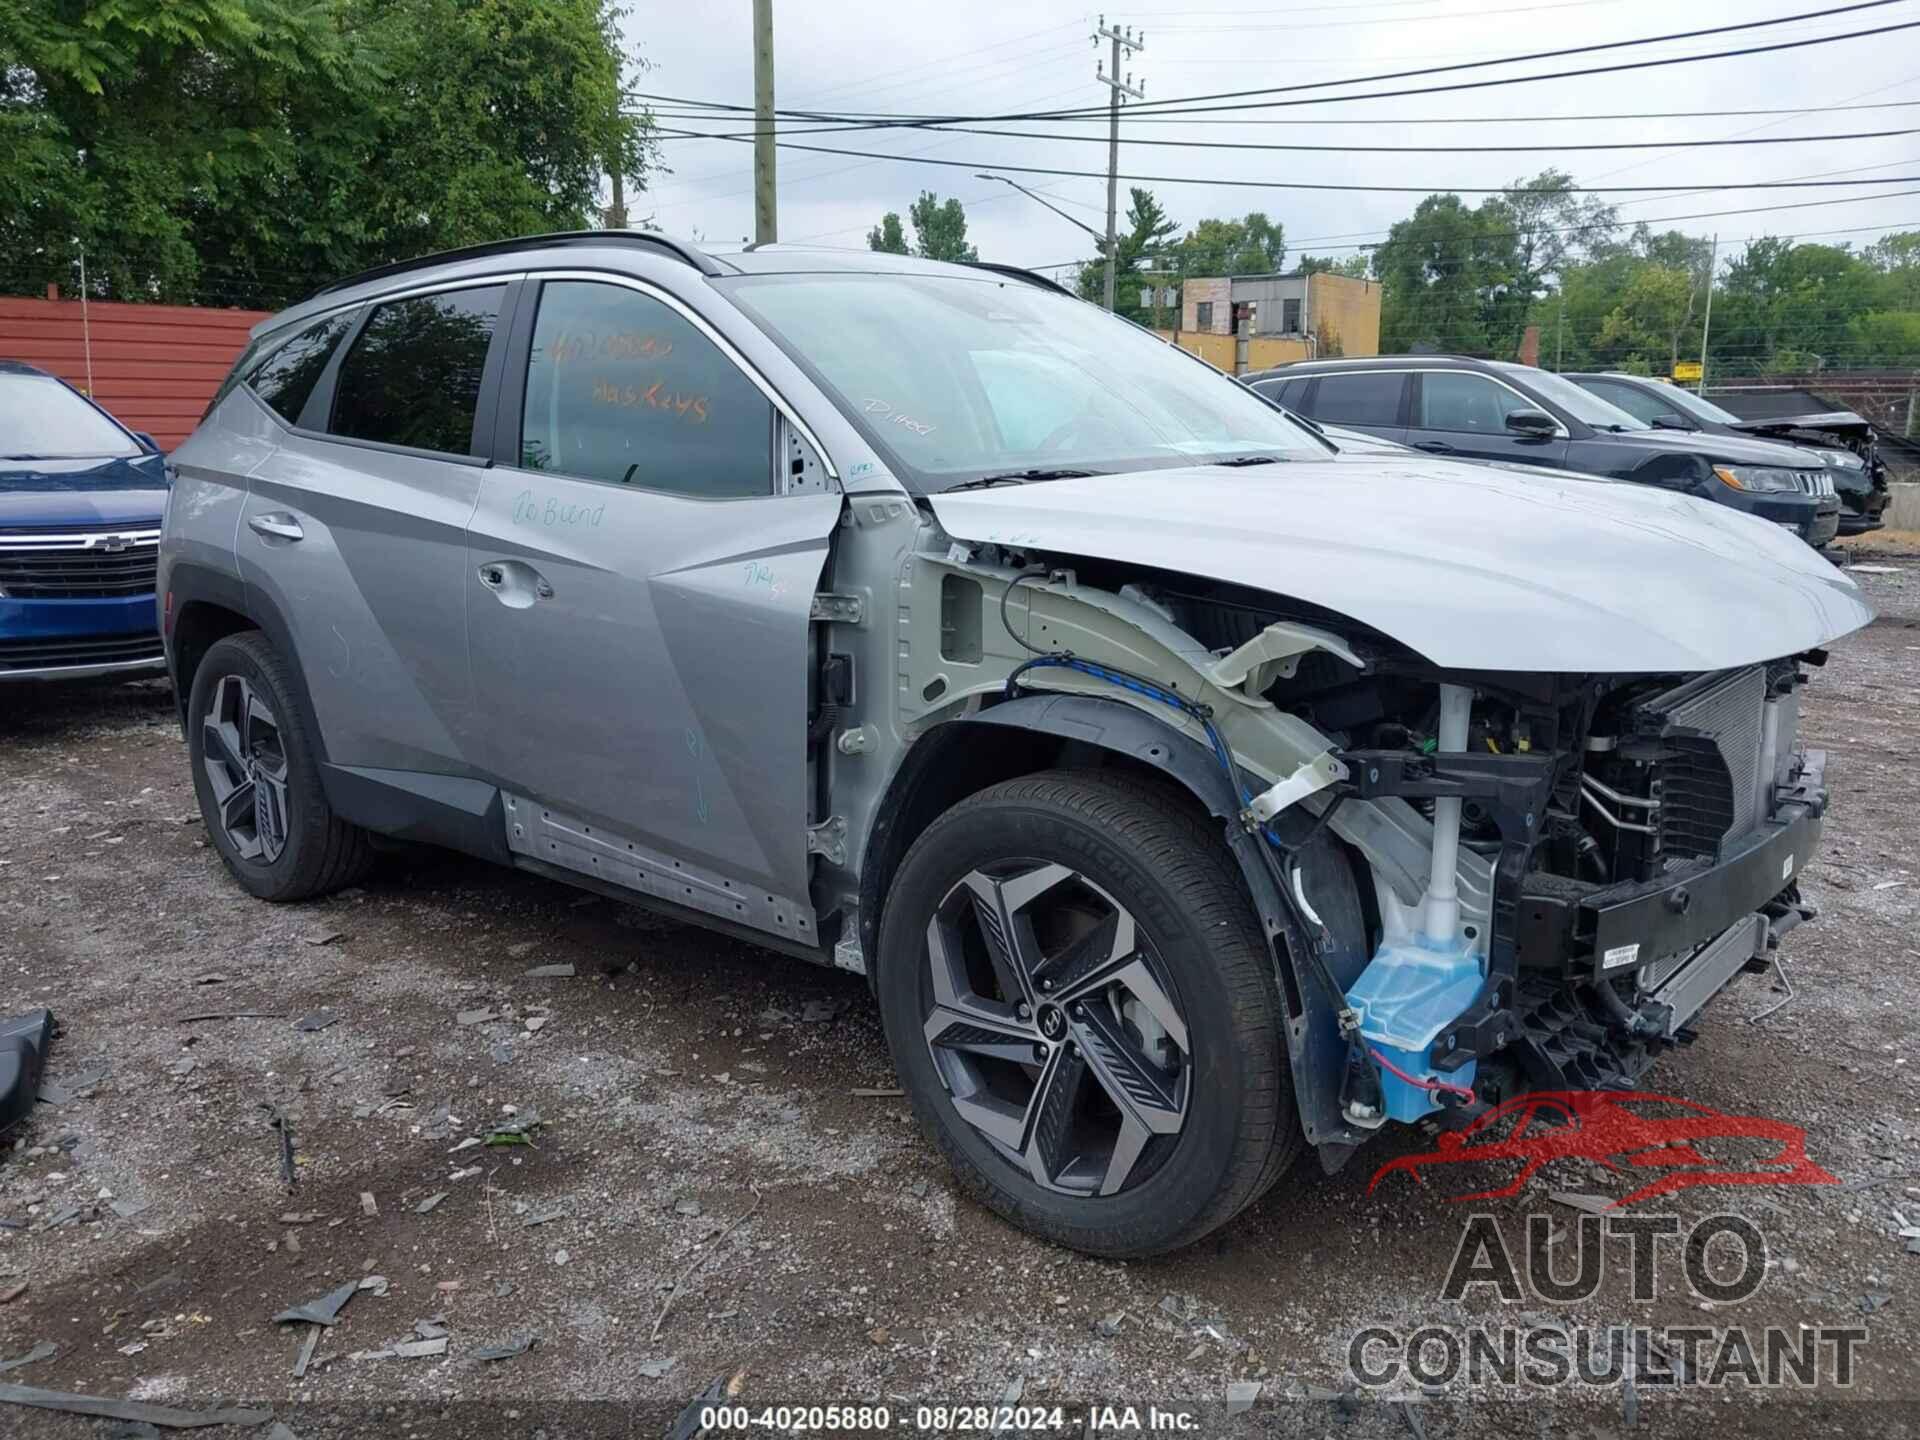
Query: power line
{"type": "Point", "coordinates": [1166, 106]}
{"type": "Point", "coordinates": [1306, 184]}
{"type": "Point", "coordinates": [1374, 149]}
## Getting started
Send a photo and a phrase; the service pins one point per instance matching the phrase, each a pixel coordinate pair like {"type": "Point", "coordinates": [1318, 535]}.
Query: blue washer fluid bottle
{"type": "Point", "coordinates": [1406, 996]}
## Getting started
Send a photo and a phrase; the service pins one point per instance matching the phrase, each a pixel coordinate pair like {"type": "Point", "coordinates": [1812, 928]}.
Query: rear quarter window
{"type": "Point", "coordinates": [284, 378]}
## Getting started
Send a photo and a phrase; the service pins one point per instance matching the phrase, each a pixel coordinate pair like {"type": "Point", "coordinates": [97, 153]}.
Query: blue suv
{"type": "Point", "coordinates": [81, 501]}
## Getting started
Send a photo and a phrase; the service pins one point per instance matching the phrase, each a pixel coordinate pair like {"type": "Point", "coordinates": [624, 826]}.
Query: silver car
{"type": "Point", "coordinates": [1187, 798]}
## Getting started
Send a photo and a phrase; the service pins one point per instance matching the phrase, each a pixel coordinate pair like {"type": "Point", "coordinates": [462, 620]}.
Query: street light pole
{"type": "Point", "coordinates": [988, 175]}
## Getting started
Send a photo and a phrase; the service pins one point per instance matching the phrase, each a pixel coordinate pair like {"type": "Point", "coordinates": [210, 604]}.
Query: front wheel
{"type": "Point", "coordinates": [1083, 1011]}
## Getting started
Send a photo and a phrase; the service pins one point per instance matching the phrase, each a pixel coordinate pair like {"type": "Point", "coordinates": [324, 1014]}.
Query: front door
{"type": "Point", "coordinates": [638, 593]}
{"type": "Point", "coordinates": [1464, 414]}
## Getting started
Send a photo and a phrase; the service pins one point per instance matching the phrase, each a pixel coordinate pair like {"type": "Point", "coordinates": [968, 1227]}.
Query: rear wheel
{"type": "Point", "coordinates": [1081, 1006]}
{"type": "Point", "coordinates": [257, 780]}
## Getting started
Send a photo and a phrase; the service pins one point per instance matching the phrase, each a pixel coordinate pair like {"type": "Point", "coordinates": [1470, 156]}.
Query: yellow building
{"type": "Point", "coordinates": [1255, 322]}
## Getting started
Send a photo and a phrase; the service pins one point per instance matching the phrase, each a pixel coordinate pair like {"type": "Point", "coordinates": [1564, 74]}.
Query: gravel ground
{"type": "Point", "coordinates": [706, 1137]}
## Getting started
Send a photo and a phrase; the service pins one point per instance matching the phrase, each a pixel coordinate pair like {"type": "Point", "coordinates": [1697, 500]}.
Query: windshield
{"type": "Point", "coordinates": [1698, 408]}
{"type": "Point", "coordinates": [955, 379]}
{"type": "Point", "coordinates": [41, 419]}
{"type": "Point", "coordinates": [1585, 406]}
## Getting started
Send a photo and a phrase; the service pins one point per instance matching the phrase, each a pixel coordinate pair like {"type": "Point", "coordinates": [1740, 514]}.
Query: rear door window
{"type": "Point", "coordinates": [413, 375]}
{"type": "Point", "coordinates": [1362, 398]}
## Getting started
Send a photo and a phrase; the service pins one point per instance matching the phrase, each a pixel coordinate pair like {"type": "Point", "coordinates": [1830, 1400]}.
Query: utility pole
{"type": "Point", "coordinates": [1706, 325]}
{"type": "Point", "coordinates": [617, 211]}
{"type": "Point", "coordinates": [1123, 40]}
{"type": "Point", "coordinates": [765, 225]}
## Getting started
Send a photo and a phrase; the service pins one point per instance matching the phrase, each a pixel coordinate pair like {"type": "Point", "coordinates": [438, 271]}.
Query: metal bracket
{"type": "Point", "coordinates": [837, 609]}
{"type": "Point", "coordinates": [1317, 774]}
{"type": "Point", "coordinates": [857, 742]}
{"type": "Point", "coordinates": [828, 839]}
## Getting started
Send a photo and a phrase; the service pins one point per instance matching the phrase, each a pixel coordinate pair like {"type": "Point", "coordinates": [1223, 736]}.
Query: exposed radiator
{"type": "Point", "coordinates": [1709, 788]}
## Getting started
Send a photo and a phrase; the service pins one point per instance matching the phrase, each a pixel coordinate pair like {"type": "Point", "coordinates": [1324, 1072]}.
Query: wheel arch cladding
{"type": "Point", "coordinates": [959, 758]}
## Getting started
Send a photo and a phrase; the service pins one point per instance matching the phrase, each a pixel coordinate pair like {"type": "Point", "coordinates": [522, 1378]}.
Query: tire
{"type": "Point", "coordinates": [1044, 859]}
{"type": "Point", "coordinates": [296, 847]}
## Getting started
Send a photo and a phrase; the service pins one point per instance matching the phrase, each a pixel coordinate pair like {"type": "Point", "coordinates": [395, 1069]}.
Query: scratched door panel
{"type": "Point", "coordinates": [660, 689]}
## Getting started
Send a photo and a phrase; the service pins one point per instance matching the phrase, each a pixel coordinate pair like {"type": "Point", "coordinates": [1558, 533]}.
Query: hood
{"type": "Point", "coordinates": [1475, 568]}
{"type": "Point", "coordinates": [1840, 422]}
{"type": "Point", "coordinates": [35, 494]}
{"type": "Point", "coordinates": [1726, 449]}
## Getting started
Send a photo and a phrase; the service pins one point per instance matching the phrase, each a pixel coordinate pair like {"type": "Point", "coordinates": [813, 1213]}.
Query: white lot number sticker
{"type": "Point", "coordinates": [1786, 868]}
{"type": "Point", "coordinates": [1620, 955]}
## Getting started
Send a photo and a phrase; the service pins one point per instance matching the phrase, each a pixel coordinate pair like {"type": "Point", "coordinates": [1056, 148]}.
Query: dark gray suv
{"type": "Point", "coordinates": [1489, 410]}
{"type": "Point", "coordinates": [1189, 795]}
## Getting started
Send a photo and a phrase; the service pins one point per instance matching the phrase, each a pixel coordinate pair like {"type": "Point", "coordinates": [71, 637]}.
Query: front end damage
{"type": "Point", "coordinates": [1477, 882]}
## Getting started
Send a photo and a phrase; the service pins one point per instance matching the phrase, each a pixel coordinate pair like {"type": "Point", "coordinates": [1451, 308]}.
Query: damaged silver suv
{"type": "Point", "coordinates": [1188, 796]}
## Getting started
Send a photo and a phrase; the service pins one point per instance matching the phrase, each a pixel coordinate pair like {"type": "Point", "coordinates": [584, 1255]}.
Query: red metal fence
{"type": "Point", "coordinates": [154, 366]}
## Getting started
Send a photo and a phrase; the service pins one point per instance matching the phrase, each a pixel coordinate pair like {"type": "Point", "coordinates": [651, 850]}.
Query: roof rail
{"type": "Point", "coordinates": [1014, 272]}
{"type": "Point", "coordinates": [646, 239]}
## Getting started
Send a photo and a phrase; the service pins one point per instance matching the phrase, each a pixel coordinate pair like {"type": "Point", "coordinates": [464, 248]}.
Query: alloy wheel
{"type": "Point", "coordinates": [246, 761]}
{"type": "Point", "coordinates": [1055, 1027]}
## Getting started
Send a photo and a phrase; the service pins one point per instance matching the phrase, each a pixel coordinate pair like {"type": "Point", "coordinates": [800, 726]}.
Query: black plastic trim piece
{"type": "Point", "coordinates": [1014, 272]}
{"type": "Point", "coordinates": [452, 811]}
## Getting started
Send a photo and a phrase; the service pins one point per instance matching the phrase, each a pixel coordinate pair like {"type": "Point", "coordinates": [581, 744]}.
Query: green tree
{"type": "Point", "coordinates": [1354, 267]}
{"type": "Point", "coordinates": [1138, 258]}
{"type": "Point", "coordinates": [240, 151]}
{"type": "Point", "coordinates": [940, 229]}
{"type": "Point", "coordinates": [1253, 245]}
{"type": "Point", "coordinates": [889, 236]}
{"type": "Point", "coordinates": [1656, 309]}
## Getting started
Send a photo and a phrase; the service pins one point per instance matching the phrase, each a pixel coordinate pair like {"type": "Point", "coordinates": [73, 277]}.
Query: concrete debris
{"type": "Point", "coordinates": [45, 1350]}
{"type": "Point", "coordinates": [816, 1012]}
{"type": "Point", "coordinates": [425, 1207]}
{"type": "Point", "coordinates": [318, 1020]}
{"type": "Point", "coordinates": [305, 1356]}
{"type": "Point", "coordinates": [657, 1369]}
{"type": "Point", "coordinates": [688, 1208]}
{"type": "Point", "coordinates": [561, 1257]}
{"type": "Point", "coordinates": [513, 1345]}
{"type": "Point", "coordinates": [164, 1416]}
{"type": "Point", "coordinates": [324, 937]}
{"type": "Point", "coordinates": [420, 1349]}
{"type": "Point", "coordinates": [325, 1310]}
{"type": "Point", "coordinates": [466, 1174]}
{"type": "Point", "coordinates": [550, 972]}
{"type": "Point", "coordinates": [369, 1206]}
{"type": "Point", "coordinates": [467, 1144]}
{"type": "Point", "coordinates": [74, 1088]}
{"type": "Point", "coordinates": [918, 1189]}
{"type": "Point", "coordinates": [474, 1017]}
{"type": "Point", "coordinates": [300, 1217]}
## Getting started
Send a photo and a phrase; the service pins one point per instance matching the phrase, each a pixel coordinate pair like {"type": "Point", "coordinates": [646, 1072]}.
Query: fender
{"type": "Point", "coordinates": [458, 812]}
{"type": "Point", "coordinates": [1315, 1053]}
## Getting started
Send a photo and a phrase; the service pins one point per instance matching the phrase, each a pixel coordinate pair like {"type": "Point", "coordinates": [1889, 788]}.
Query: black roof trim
{"type": "Point", "coordinates": [678, 249]}
{"type": "Point", "coordinates": [1014, 272]}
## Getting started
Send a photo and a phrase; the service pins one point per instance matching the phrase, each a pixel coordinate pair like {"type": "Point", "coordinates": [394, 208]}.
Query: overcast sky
{"type": "Point", "coordinates": [995, 56]}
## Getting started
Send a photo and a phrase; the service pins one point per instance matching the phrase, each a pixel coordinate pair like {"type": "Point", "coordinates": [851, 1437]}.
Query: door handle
{"type": "Point", "coordinates": [1433, 447]}
{"type": "Point", "coordinates": [276, 526]}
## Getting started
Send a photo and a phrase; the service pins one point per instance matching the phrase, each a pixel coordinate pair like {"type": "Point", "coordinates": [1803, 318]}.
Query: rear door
{"type": "Point", "coordinates": [640, 572]}
{"type": "Point", "coordinates": [354, 529]}
{"type": "Point", "coordinates": [1463, 414]}
{"type": "Point", "coordinates": [1374, 401]}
